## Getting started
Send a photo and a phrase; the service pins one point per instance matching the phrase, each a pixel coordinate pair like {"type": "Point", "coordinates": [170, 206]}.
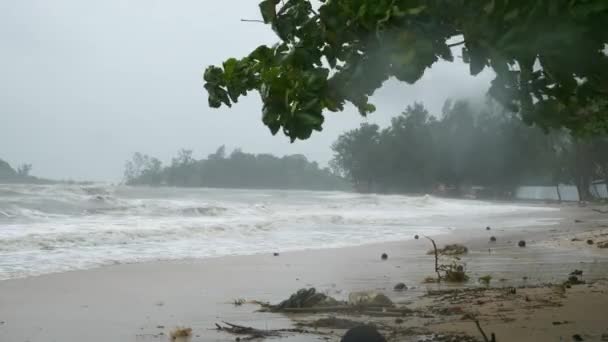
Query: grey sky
{"type": "Point", "coordinates": [84, 84]}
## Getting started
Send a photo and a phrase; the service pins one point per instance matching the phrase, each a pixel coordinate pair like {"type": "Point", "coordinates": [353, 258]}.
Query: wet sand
{"type": "Point", "coordinates": [142, 302]}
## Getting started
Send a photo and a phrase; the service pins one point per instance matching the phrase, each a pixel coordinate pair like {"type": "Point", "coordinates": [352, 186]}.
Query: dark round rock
{"type": "Point", "coordinates": [384, 256]}
{"type": "Point", "coordinates": [521, 243]}
{"type": "Point", "coordinates": [400, 287]}
{"type": "Point", "coordinates": [590, 242]}
{"type": "Point", "coordinates": [275, 254]}
{"type": "Point", "coordinates": [488, 228]}
{"type": "Point", "coordinates": [416, 237]}
{"type": "Point", "coordinates": [492, 238]}
{"type": "Point", "coordinates": [363, 333]}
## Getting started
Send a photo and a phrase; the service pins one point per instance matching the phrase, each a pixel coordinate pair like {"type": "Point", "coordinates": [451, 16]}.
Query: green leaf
{"type": "Point", "coordinates": [268, 10]}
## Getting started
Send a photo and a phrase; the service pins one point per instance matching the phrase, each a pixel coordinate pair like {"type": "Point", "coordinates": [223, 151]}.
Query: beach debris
{"type": "Point", "coordinates": [400, 287]}
{"type": "Point", "coordinates": [416, 237]}
{"type": "Point", "coordinates": [590, 242]}
{"type": "Point", "coordinates": [384, 256]}
{"type": "Point", "coordinates": [605, 337]}
{"type": "Point", "coordinates": [451, 250]}
{"type": "Point", "coordinates": [602, 244]}
{"type": "Point", "coordinates": [577, 337]}
{"type": "Point", "coordinates": [275, 254]}
{"type": "Point", "coordinates": [454, 273]}
{"type": "Point", "coordinates": [578, 273]}
{"type": "Point", "coordinates": [369, 298]}
{"type": "Point", "coordinates": [332, 322]}
{"type": "Point", "coordinates": [239, 301]}
{"type": "Point", "coordinates": [492, 238]}
{"type": "Point", "coordinates": [488, 228]}
{"type": "Point", "coordinates": [485, 280]}
{"type": "Point", "coordinates": [363, 333]}
{"type": "Point", "coordinates": [399, 321]}
{"type": "Point", "coordinates": [560, 322]}
{"type": "Point", "coordinates": [573, 280]}
{"type": "Point", "coordinates": [575, 239]}
{"type": "Point", "coordinates": [160, 327]}
{"type": "Point", "coordinates": [251, 333]}
{"type": "Point", "coordinates": [430, 280]}
{"type": "Point", "coordinates": [483, 333]}
{"type": "Point", "coordinates": [521, 243]}
{"type": "Point", "coordinates": [305, 298]}
{"type": "Point", "coordinates": [180, 334]}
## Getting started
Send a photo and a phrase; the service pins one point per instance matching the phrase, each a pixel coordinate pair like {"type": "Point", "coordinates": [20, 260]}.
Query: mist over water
{"type": "Point", "coordinates": [45, 229]}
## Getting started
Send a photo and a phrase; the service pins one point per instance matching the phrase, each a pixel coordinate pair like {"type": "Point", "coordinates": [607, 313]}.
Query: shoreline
{"type": "Point", "coordinates": [131, 302]}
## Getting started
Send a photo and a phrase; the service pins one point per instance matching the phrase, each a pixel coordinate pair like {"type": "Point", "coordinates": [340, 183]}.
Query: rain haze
{"type": "Point", "coordinates": [130, 210]}
{"type": "Point", "coordinates": [85, 84]}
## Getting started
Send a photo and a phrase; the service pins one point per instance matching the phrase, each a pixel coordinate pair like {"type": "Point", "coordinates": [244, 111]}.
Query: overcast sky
{"type": "Point", "coordinates": [84, 84]}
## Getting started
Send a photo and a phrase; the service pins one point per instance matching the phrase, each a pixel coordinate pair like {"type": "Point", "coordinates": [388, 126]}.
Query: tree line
{"type": "Point", "coordinates": [19, 175]}
{"type": "Point", "coordinates": [466, 145]}
{"type": "Point", "coordinates": [236, 170]}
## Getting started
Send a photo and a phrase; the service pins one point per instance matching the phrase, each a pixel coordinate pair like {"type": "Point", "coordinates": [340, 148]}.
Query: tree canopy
{"type": "Point", "coordinates": [465, 146]}
{"type": "Point", "coordinates": [549, 57]}
{"type": "Point", "coordinates": [237, 170]}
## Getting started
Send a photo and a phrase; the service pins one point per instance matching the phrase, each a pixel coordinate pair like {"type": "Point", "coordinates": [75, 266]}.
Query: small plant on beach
{"type": "Point", "coordinates": [454, 272]}
{"type": "Point", "coordinates": [180, 332]}
{"type": "Point", "coordinates": [485, 280]}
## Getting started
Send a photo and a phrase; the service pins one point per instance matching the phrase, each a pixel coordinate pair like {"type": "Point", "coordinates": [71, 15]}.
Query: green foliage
{"type": "Point", "coordinates": [485, 280]}
{"type": "Point", "coordinates": [238, 170]}
{"type": "Point", "coordinates": [465, 146]}
{"type": "Point", "coordinates": [549, 57]}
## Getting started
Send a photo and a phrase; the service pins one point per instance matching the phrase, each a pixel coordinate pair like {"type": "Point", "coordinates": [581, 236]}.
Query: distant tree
{"type": "Point", "coordinates": [356, 153]}
{"type": "Point", "coordinates": [24, 170]}
{"type": "Point", "coordinates": [143, 169]}
{"type": "Point", "coordinates": [6, 171]}
{"type": "Point", "coordinates": [238, 170]}
{"type": "Point", "coordinates": [467, 145]}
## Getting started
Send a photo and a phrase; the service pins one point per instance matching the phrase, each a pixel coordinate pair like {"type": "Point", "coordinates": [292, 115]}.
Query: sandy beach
{"type": "Point", "coordinates": [142, 302]}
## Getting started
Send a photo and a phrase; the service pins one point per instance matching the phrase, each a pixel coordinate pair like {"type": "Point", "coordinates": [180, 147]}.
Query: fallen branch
{"type": "Point", "coordinates": [358, 309]}
{"type": "Point", "coordinates": [253, 333]}
{"type": "Point", "coordinates": [485, 337]}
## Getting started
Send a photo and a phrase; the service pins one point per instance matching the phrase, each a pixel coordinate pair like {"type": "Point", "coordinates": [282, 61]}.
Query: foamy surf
{"type": "Point", "coordinates": [45, 229]}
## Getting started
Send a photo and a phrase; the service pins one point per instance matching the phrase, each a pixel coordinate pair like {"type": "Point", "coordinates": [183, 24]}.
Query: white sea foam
{"type": "Point", "coordinates": [56, 228]}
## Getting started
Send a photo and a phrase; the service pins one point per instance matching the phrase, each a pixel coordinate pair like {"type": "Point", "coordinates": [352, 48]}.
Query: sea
{"type": "Point", "coordinates": [57, 228]}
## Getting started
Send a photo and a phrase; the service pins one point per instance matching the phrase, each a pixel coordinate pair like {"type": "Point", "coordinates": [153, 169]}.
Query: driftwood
{"type": "Point", "coordinates": [436, 259]}
{"type": "Point", "coordinates": [485, 337]}
{"type": "Point", "coordinates": [378, 311]}
{"type": "Point", "coordinates": [251, 333]}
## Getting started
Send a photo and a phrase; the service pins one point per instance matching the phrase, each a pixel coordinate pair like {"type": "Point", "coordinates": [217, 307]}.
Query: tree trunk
{"type": "Point", "coordinates": [584, 193]}
{"type": "Point", "coordinates": [584, 171]}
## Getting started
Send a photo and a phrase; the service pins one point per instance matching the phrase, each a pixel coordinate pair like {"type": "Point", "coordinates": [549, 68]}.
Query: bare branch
{"type": "Point", "coordinates": [436, 259]}
{"type": "Point", "coordinates": [253, 21]}
{"type": "Point", "coordinates": [456, 44]}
